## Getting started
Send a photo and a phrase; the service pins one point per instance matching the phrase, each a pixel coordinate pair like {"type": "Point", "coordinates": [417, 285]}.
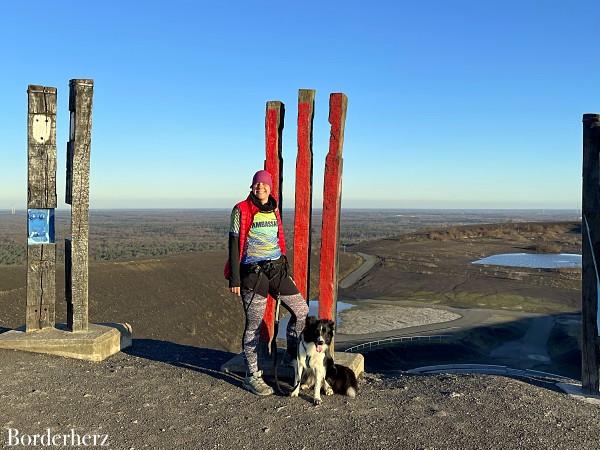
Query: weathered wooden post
{"type": "Point", "coordinates": [274, 119]}
{"type": "Point", "coordinates": [77, 195]}
{"type": "Point", "coordinates": [591, 253]}
{"type": "Point", "coordinates": [94, 342]}
{"type": "Point", "coordinates": [332, 199]}
{"type": "Point", "coordinates": [41, 202]}
{"type": "Point", "coordinates": [303, 206]}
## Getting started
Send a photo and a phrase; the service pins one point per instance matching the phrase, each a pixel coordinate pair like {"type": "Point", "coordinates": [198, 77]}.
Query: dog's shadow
{"type": "Point", "coordinates": [204, 360]}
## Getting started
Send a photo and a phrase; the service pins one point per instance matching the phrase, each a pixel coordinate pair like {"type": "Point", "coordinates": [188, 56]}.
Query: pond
{"type": "Point", "coordinates": [534, 260]}
{"type": "Point", "coordinates": [313, 310]}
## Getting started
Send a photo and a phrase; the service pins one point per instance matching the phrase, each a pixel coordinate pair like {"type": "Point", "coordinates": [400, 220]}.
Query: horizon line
{"type": "Point", "coordinates": [314, 209]}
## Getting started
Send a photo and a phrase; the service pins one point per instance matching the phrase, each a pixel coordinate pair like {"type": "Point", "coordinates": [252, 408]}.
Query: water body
{"type": "Point", "coordinates": [313, 310]}
{"type": "Point", "coordinates": [534, 260]}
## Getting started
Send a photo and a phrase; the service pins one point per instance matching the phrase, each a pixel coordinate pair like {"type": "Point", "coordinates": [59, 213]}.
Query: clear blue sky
{"type": "Point", "coordinates": [452, 104]}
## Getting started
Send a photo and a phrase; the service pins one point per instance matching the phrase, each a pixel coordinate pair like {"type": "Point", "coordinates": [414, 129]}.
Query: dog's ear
{"type": "Point", "coordinates": [332, 325]}
{"type": "Point", "coordinates": [310, 320]}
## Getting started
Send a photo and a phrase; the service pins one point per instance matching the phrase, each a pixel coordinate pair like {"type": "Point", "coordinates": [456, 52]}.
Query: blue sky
{"type": "Point", "coordinates": [452, 104]}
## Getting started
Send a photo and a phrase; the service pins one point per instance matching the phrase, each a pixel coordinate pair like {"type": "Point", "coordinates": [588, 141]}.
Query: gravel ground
{"type": "Point", "coordinates": [161, 395]}
{"type": "Point", "coordinates": [376, 318]}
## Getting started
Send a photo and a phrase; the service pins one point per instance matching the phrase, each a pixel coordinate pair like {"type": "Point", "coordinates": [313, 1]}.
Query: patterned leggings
{"type": "Point", "coordinates": [254, 305]}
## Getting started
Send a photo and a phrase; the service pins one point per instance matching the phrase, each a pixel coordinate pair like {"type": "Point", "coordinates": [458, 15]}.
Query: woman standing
{"type": "Point", "coordinates": [257, 266]}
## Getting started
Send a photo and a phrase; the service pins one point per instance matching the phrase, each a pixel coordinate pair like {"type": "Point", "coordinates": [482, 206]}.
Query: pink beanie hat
{"type": "Point", "coordinates": [262, 176]}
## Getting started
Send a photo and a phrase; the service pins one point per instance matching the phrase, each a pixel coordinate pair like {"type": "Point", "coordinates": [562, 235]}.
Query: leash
{"type": "Point", "coordinates": [246, 308]}
{"type": "Point", "coordinates": [283, 272]}
{"type": "Point", "coordinates": [274, 345]}
{"type": "Point", "coordinates": [279, 390]}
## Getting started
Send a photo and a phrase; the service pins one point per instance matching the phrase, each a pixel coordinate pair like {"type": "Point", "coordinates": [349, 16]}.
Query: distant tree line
{"type": "Point", "coordinates": [124, 235]}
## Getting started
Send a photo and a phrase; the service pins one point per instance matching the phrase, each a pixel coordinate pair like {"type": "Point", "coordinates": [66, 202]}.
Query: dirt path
{"type": "Point", "coordinates": [369, 262]}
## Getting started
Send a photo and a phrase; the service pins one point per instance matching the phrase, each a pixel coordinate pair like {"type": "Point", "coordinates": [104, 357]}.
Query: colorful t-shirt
{"type": "Point", "coordinates": [262, 242]}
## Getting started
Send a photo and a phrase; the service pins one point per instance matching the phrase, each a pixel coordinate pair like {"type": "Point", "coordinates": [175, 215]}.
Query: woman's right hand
{"type": "Point", "coordinates": [235, 290]}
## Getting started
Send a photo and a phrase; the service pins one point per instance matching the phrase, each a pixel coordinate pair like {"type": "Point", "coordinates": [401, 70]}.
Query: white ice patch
{"type": "Point", "coordinates": [533, 260]}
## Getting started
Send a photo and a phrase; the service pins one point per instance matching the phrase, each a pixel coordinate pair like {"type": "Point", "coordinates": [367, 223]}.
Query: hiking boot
{"type": "Point", "coordinates": [255, 384]}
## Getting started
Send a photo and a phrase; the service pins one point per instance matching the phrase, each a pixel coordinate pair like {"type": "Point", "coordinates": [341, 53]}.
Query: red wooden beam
{"type": "Point", "coordinates": [303, 206]}
{"type": "Point", "coordinates": [332, 195]}
{"type": "Point", "coordinates": [274, 165]}
{"type": "Point", "coordinates": [273, 157]}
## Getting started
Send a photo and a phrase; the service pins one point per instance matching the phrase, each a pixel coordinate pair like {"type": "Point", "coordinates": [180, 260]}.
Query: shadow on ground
{"type": "Point", "coordinates": [199, 359]}
{"type": "Point", "coordinates": [546, 343]}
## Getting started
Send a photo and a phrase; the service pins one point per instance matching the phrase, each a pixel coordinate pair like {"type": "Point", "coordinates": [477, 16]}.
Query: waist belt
{"type": "Point", "coordinates": [270, 267]}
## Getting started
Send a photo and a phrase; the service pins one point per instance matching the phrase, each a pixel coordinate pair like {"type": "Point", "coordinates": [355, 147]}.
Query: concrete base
{"type": "Point", "coordinates": [96, 344]}
{"type": "Point", "coordinates": [353, 361]}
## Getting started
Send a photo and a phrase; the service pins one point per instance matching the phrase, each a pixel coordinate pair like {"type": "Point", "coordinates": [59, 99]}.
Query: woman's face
{"type": "Point", "coordinates": [261, 191]}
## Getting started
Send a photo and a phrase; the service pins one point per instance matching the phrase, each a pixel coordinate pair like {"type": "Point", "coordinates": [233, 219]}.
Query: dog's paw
{"type": "Point", "coordinates": [317, 401]}
{"type": "Point", "coordinates": [328, 390]}
{"type": "Point", "coordinates": [294, 393]}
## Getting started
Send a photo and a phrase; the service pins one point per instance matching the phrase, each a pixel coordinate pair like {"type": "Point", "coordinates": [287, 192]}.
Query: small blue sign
{"type": "Point", "coordinates": [40, 226]}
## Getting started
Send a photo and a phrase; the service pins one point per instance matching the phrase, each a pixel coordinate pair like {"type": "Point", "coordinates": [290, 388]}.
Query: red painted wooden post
{"type": "Point", "coordinates": [332, 196]}
{"type": "Point", "coordinates": [274, 165]}
{"type": "Point", "coordinates": [273, 157]}
{"type": "Point", "coordinates": [303, 206]}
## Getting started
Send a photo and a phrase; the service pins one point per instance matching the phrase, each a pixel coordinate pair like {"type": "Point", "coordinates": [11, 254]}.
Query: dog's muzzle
{"type": "Point", "coordinates": [319, 346]}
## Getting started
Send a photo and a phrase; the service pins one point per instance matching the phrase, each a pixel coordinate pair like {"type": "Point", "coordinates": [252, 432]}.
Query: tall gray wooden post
{"type": "Point", "coordinates": [591, 252]}
{"type": "Point", "coordinates": [41, 202]}
{"type": "Point", "coordinates": [77, 195]}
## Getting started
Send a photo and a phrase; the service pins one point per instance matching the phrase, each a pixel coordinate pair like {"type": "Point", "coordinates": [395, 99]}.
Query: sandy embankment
{"type": "Point", "coordinates": [377, 318]}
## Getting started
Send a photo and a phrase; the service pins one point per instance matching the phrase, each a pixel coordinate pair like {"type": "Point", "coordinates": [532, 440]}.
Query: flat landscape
{"type": "Point", "coordinates": [131, 234]}
{"type": "Point", "coordinates": [161, 270]}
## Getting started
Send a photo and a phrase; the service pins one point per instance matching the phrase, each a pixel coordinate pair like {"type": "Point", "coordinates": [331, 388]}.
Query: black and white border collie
{"type": "Point", "coordinates": [315, 361]}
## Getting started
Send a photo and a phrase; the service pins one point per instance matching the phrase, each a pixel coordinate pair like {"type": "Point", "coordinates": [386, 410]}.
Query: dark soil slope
{"type": "Point", "coordinates": [181, 298]}
{"type": "Point", "coordinates": [434, 267]}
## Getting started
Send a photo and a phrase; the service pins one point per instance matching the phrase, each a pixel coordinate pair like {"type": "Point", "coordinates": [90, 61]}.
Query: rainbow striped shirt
{"type": "Point", "coordinates": [262, 242]}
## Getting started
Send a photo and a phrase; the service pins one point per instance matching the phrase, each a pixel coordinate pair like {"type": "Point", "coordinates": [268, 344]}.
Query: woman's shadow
{"type": "Point", "coordinates": [199, 359]}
